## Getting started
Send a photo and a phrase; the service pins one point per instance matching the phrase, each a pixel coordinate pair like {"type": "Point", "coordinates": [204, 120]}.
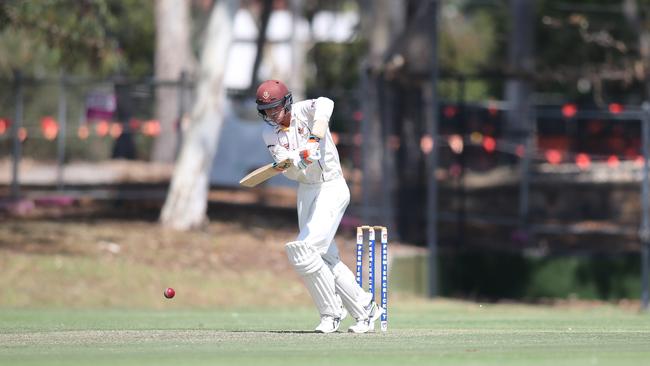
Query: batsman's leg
{"type": "Point", "coordinates": [319, 281]}
{"type": "Point", "coordinates": [359, 303]}
{"type": "Point", "coordinates": [353, 297]}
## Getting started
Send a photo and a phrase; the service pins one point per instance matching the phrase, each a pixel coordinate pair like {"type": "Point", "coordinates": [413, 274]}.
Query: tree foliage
{"type": "Point", "coordinates": [84, 37]}
{"type": "Point", "coordinates": [587, 51]}
{"type": "Point", "coordinates": [590, 49]}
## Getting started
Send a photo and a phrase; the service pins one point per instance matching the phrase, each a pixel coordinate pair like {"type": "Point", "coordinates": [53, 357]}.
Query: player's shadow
{"type": "Point", "coordinates": [292, 331]}
{"type": "Point", "coordinates": [275, 331]}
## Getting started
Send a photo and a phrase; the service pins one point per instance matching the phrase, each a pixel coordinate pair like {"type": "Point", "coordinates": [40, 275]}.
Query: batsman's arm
{"type": "Point", "coordinates": [322, 112]}
{"type": "Point", "coordinates": [277, 151]}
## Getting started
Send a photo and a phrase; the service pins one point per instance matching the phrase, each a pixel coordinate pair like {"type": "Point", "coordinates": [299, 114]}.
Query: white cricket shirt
{"type": "Point", "coordinates": [287, 142]}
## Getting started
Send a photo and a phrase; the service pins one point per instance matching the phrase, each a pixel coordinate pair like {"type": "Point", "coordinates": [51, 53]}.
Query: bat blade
{"type": "Point", "coordinates": [264, 173]}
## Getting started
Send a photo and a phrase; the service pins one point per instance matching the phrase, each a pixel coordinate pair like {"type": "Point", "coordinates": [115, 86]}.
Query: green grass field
{"type": "Point", "coordinates": [421, 333]}
{"type": "Point", "coordinates": [235, 306]}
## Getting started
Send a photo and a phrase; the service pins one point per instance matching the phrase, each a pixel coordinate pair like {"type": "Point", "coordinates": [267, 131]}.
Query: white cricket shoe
{"type": "Point", "coordinates": [328, 324]}
{"type": "Point", "coordinates": [368, 324]}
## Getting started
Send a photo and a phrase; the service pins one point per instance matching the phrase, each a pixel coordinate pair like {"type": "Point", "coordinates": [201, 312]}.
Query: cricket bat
{"type": "Point", "coordinates": [264, 173]}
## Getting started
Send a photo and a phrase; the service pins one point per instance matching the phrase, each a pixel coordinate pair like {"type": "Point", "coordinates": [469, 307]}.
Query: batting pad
{"type": "Point", "coordinates": [352, 295]}
{"type": "Point", "coordinates": [317, 276]}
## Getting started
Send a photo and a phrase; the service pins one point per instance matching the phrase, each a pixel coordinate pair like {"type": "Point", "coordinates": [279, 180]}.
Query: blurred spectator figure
{"type": "Point", "coordinates": [124, 147]}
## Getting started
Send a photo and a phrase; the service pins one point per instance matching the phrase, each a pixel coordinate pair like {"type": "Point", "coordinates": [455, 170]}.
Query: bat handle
{"type": "Point", "coordinates": [280, 168]}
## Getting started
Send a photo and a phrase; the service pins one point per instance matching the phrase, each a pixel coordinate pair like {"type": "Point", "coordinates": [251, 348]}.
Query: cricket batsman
{"type": "Point", "coordinates": [300, 131]}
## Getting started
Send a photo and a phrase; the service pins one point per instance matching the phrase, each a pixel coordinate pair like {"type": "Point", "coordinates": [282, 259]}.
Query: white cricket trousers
{"type": "Point", "coordinates": [320, 209]}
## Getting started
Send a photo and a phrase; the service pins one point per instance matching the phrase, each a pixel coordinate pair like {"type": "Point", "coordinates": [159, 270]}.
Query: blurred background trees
{"type": "Point", "coordinates": [500, 63]}
{"type": "Point", "coordinates": [96, 38]}
{"type": "Point", "coordinates": [551, 51]}
{"type": "Point", "coordinates": [595, 47]}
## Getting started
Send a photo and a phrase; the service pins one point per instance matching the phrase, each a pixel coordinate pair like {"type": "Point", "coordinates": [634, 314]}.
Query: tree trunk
{"type": "Point", "coordinates": [186, 204]}
{"type": "Point", "coordinates": [299, 47]}
{"type": "Point", "coordinates": [634, 17]}
{"type": "Point", "coordinates": [382, 21]}
{"type": "Point", "coordinates": [520, 61]}
{"type": "Point", "coordinates": [267, 8]}
{"type": "Point", "coordinates": [173, 56]}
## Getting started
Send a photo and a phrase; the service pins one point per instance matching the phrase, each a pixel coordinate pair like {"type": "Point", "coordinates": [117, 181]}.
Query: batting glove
{"type": "Point", "coordinates": [307, 157]}
{"type": "Point", "coordinates": [313, 143]}
{"type": "Point", "coordinates": [302, 164]}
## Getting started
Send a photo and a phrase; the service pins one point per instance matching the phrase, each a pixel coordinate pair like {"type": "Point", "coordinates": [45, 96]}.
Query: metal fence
{"type": "Point", "coordinates": [67, 118]}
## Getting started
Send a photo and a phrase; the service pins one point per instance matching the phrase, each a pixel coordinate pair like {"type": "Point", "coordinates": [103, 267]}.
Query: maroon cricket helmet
{"type": "Point", "coordinates": [271, 94]}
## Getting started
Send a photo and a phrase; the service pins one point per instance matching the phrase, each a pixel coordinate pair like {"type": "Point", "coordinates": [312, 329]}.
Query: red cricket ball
{"type": "Point", "coordinates": [169, 293]}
